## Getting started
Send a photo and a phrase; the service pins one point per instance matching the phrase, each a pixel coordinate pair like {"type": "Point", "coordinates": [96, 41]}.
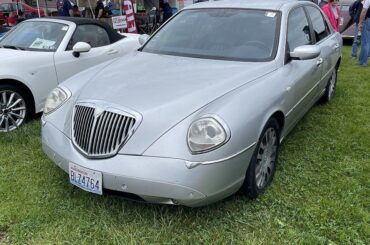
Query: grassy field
{"type": "Point", "coordinates": [320, 193]}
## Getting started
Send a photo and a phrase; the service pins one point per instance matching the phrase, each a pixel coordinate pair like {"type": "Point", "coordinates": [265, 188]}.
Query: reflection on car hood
{"type": "Point", "coordinates": [8, 54]}
{"type": "Point", "coordinates": [166, 89]}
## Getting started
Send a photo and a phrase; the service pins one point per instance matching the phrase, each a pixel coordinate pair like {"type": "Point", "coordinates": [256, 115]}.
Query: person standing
{"type": "Point", "coordinates": [166, 8]}
{"type": "Point", "coordinates": [76, 11]}
{"type": "Point", "coordinates": [64, 8]}
{"type": "Point", "coordinates": [364, 27]}
{"type": "Point", "coordinates": [355, 12]}
{"type": "Point", "coordinates": [99, 9]}
{"type": "Point", "coordinates": [332, 11]}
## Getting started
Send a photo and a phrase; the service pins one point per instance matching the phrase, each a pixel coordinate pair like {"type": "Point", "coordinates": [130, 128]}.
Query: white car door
{"type": "Point", "coordinates": [66, 64]}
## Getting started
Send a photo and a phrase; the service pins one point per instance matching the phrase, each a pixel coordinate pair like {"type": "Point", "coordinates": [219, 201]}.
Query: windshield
{"type": "Point", "coordinates": [227, 34]}
{"type": "Point", "coordinates": [35, 35]}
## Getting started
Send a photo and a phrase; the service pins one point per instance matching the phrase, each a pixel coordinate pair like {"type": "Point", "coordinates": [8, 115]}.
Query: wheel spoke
{"type": "Point", "coordinates": [15, 103]}
{"type": "Point", "coordinates": [6, 124]}
{"type": "Point", "coordinates": [16, 115]}
{"type": "Point", "coordinates": [13, 121]}
{"type": "Point", "coordinates": [19, 108]}
{"type": "Point", "coordinates": [4, 98]}
{"type": "Point", "coordinates": [261, 180]}
{"type": "Point", "coordinates": [10, 99]}
{"type": "Point", "coordinates": [2, 120]}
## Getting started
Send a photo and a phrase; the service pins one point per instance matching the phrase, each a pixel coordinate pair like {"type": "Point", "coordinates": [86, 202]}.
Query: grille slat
{"type": "Point", "coordinates": [98, 130]}
{"type": "Point", "coordinates": [111, 130]}
{"type": "Point", "coordinates": [101, 141]}
{"type": "Point", "coordinates": [106, 136]}
{"type": "Point", "coordinates": [100, 135]}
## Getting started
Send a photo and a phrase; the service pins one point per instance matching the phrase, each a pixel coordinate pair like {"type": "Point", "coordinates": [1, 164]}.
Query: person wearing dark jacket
{"type": "Point", "coordinates": [166, 8]}
{"type": "Point", "coordinates": [355, 12]}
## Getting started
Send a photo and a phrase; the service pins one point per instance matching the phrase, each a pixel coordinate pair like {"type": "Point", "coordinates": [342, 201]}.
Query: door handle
{"type": "Point", "coordinates": [319, 61]}
{"type": "Point", "coordinates": [112, 51]}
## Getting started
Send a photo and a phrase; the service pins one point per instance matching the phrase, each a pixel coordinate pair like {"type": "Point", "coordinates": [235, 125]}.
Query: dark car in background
{"type": "Point", "coordinates": [3, 30]}
{"type": "Point", "coordinates": [346, 26]}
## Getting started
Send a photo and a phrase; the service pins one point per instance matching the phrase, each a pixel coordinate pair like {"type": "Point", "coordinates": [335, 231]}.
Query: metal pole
{"type": "Point", "coordinates": [38, 8]}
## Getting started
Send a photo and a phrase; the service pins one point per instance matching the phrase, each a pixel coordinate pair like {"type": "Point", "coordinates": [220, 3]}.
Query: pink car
{"type": "Point", "coordinates": [8, 12]}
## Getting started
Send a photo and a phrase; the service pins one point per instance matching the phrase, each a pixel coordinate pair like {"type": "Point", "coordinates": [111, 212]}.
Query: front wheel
{"type": "Point", "coordinates": [263, 163]}
{"type": "Point", "coordinates": [13, 108]}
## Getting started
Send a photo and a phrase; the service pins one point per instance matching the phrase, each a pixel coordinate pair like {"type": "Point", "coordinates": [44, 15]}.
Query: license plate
{"type": "Point", "coordinates": [86, 179]}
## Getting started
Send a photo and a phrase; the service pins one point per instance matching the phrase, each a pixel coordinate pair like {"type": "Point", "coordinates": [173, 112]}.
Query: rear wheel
{"type": "Point", "coordinates": [14, 108]}
{"type": "Point", "coordinates": [263, 163]}
{"type": "Point", "coordinates": [331, 87]}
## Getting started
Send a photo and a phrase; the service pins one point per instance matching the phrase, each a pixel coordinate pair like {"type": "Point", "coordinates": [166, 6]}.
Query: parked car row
{"type": "Point", "coordinates": [39, 54]}
{"type": "Point", "coordinates": [195, 114]}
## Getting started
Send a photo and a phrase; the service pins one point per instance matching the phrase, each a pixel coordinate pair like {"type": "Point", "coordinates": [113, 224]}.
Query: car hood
{"type": "Point", "coordinates": [7, 55]}
{"type": "Point", "coordinates": [166, 89]}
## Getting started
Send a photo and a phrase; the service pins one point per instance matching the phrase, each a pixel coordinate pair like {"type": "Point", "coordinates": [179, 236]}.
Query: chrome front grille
{"type": "Point", "coordinates": [99, 133]}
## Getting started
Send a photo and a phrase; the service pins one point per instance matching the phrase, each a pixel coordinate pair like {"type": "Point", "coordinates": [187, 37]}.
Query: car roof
{"type": "Point", "coordinates": [249, 4]}
{"type": "Point", "coordinates": [113, 34]}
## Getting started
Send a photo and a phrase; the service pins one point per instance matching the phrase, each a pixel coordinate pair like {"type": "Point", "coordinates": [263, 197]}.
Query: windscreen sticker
{"type": "Point", "coordinates": [64, 28]}
{"type": "Point", "coordinates": [42, 44]}
{"type": "Point", "coordinates": [270, 14]}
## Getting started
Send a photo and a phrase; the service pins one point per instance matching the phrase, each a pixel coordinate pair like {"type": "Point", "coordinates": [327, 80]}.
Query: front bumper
{"type": "Point", "coordinates": [154, 179]}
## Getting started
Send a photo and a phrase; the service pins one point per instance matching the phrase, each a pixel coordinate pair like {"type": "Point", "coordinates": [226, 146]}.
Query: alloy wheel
{"type": "Point", "coordinates": [332, 84]}
{"type": "Point", "coordinates": [12, 110]}
{"type": "Point", "coordinates": [266, 158]}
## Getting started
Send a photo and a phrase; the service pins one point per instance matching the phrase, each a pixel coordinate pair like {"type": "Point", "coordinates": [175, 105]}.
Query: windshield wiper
{"type": "Point", "coordinates": [12, 47]}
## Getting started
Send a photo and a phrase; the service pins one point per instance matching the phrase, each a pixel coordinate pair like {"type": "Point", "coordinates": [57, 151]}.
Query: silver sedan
{"type": "Point", "coordinates": [199, 111]}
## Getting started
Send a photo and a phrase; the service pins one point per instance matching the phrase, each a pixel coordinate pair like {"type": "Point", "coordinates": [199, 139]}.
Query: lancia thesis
{"type": "Point", "coordinates": [199, 110]}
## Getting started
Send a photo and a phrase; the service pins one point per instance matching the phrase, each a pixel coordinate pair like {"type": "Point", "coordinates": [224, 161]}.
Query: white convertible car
{"type": "Point", "coordinates": [39, 54]}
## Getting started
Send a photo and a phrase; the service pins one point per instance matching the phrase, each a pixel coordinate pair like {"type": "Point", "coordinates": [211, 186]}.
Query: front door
{"type": "Point", "coordinates": [101, 50]}
{"type": "Point", "coordinates": [304, 74]}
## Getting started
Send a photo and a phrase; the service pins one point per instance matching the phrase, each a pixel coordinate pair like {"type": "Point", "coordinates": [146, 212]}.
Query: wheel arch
{"type": "Point", "coordinates": [24, 88]}
{"type": "Point", "coordinates": [338, 62]}
{"type": "Point", "coordinates": [280, 118]}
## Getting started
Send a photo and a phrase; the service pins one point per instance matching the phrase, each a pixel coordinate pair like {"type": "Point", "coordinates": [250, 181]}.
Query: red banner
{"type": "Point", "coordinates": [130, 17]}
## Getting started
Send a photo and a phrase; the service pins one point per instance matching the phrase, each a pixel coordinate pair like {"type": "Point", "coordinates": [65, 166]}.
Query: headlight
{"type": "Point", "coordinates": [56, 98]}
{"type": "Point", "coordinates": [207, 134]}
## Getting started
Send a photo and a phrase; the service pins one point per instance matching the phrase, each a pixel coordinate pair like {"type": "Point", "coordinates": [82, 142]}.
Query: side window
{"type": "Point", "coordinates": [94, 35]}
{"type": "Point", "coordinates": [6, 7]}
{"type": "Point", "coordinates": [298, 29]}
{"type": "Point", "coordinates": [319, 24]}
{"type": "Point", "coordinates": [20, 7]}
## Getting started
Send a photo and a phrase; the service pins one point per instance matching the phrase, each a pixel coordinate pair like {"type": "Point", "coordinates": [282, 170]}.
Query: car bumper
{"type": "Point", "coordinates": [154, 179]}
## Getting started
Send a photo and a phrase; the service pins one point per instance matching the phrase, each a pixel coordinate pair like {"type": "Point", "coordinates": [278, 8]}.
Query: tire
{"type": "Point", "coordinates": [262, 166]}
{"type": "Point", "coordinates": [331, 87]}
{"type": "Point", "coordinates": [15, 108]}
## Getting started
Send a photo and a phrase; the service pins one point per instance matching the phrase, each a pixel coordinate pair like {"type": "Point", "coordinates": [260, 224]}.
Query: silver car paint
{"type": "Point", "coordinates": [245, 95]}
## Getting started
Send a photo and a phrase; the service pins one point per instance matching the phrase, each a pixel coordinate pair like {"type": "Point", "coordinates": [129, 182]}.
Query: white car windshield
{"type": "Point", "coordinates": [35, 35]}
{"type": "Point", "coordinates": [227, 34]}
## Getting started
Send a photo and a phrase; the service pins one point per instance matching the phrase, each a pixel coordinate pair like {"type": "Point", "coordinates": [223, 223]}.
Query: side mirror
{"type": "Point", "coordinates": [80, 47]}
{"type": "Point", "coordinates": [143, 38]}
{"type": "Point", "coordinates": [305, 52]}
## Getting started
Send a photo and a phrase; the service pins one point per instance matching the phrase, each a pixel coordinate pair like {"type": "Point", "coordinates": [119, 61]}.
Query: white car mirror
{"type": "Point", "coordinates": [80, 47]}
{"type": "Point", "coordinates": [305, 52]}
{"type": "Point", "coordinates": [143, 38]}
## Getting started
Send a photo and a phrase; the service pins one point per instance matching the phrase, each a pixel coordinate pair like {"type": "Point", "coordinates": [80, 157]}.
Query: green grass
{"type": "Point", "coordinates": [320, 193]}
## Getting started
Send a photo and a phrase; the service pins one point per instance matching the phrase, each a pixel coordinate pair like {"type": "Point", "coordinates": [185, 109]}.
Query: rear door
{"type": "Point", "coordinates": [328, 42]}
{"type": "Point", "coordinates": [101, 50]}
